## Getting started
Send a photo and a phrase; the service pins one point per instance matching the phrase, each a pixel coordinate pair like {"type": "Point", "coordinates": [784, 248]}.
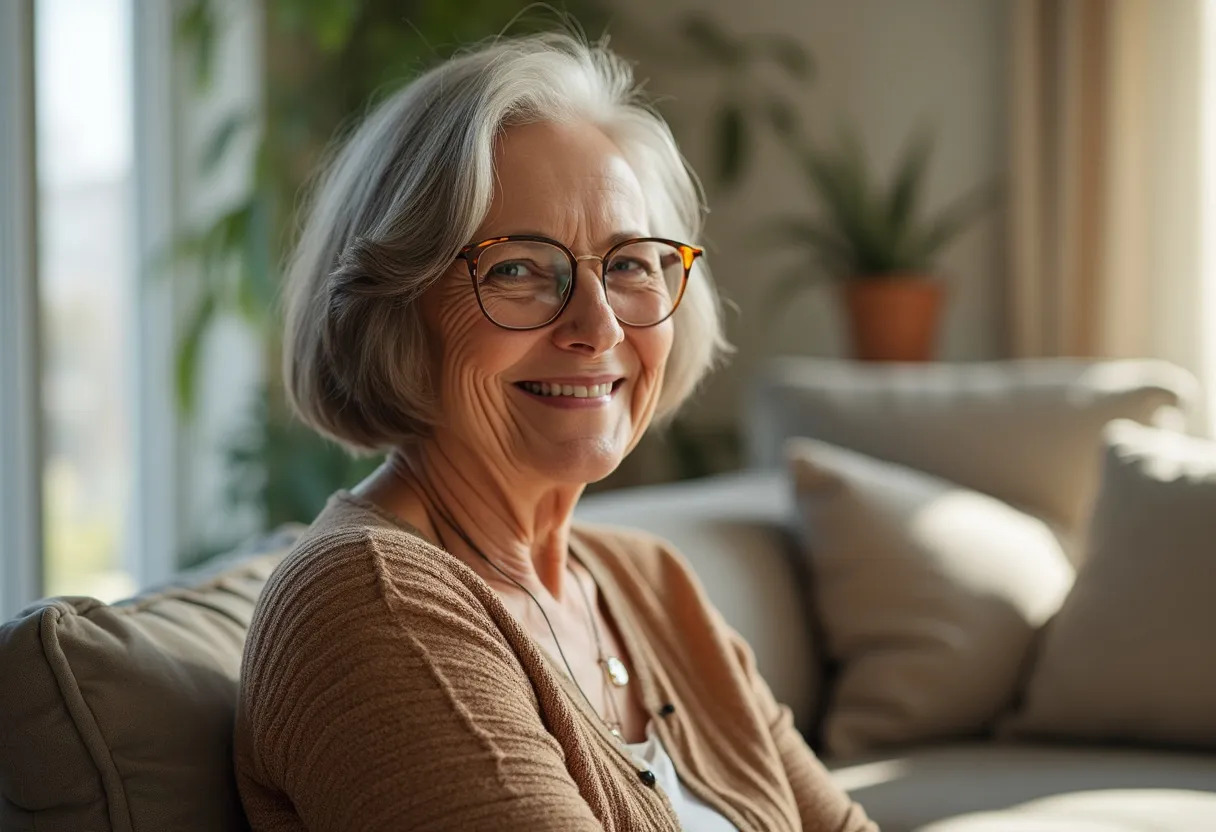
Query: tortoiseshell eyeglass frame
{"type": "Point", "coordinates": [471, 253]}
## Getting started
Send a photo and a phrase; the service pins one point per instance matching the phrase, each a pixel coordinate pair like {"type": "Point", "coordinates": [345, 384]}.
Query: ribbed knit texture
{"type": "Point", "coordinates": [384, 686]}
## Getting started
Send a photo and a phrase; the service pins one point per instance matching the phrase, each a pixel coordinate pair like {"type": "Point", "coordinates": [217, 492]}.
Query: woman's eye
{"type": "Point", "coordinates": [628, 265]}
{"type": "Point", "coordinates": [514, 269]}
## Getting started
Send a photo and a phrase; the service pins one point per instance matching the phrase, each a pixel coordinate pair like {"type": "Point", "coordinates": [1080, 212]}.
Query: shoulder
{"type": "Point", "coordinates": [356, 594]}
{"type": "Point", "coordinates": [350, 560]}
{"type": "Point", "coordinates": [351, 540]}
{"type": "Point", "coordinates": [368, 637]}
{"type": "Point", "coordinates": [353, 571]}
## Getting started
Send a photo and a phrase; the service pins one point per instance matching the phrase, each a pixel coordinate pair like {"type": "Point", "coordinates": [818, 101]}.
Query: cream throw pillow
{"type": "Point", "coordinates": [1132, 653]}
{"type": "Point", "coordinates": [929, 596]}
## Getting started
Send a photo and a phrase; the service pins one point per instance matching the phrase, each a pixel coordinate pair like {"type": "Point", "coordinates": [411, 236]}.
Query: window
{"type": "Point", "coordinates": [86, 287]}
{"type": "Point", "coordinates": [87, 431]}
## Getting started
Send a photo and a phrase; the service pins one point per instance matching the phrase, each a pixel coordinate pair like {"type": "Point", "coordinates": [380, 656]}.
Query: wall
{"type": "Point", "coordinates": [886, 64]}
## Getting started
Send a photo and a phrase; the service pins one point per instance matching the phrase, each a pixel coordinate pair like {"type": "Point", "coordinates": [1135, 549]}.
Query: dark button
{"type": "Point", "coordinates": [647, 777]}
{"type": "Point", "coordinates": [667, 710]}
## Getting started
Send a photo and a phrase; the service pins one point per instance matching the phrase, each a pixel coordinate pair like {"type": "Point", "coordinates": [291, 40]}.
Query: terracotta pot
{"type": "Point", "coordinates": [894, 318]}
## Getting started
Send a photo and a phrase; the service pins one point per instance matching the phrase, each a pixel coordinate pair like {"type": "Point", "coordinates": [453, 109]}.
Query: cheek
{"type": "Point", "coordinates": [472, 350]}
{"type": "Point", "coordinates": [653, 348]}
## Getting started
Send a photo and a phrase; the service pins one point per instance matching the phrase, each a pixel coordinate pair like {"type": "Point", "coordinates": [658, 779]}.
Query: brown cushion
{"type": "Point", "coordinates": [120, 716]}
{"type": "Point", "coordinates": [1132, 653]}
{"type": "Point", "coordinates": [929, 596]}
{"type": "Point", "coordinates": [1027, 432]}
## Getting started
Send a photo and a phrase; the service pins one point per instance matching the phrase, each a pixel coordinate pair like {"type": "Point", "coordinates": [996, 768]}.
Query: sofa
{"type": "Point", "coordinates": [118, 716]}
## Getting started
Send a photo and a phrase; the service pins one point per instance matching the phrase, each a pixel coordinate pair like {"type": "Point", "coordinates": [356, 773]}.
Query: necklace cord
{"type": "Point", "coordinates": [599, 645]}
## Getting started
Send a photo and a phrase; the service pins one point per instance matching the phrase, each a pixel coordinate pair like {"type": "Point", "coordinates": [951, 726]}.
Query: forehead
{"type": "Point", "coordinates": [563, 179]}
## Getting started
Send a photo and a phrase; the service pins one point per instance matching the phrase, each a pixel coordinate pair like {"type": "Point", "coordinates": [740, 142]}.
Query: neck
{"type": "Point", "coordinates": [520, 526]}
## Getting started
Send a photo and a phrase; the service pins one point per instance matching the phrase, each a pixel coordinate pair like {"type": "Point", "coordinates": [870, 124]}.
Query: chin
{"type": "Point", "coordinates": [582, 462]}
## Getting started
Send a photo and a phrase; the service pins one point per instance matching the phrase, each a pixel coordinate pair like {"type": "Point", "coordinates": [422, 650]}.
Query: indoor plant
{"type": "Point", "coordinates": [872, 240]}
{"type": "Point", "coordinates": [323, 61]}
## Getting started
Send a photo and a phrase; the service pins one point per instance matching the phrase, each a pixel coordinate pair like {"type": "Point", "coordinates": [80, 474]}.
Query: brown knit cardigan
{"type": "Point", "coordinates": [384, 686]}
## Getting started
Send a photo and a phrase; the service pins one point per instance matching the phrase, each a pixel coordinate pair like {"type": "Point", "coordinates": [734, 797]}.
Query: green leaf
{"type": "Point", "coordinates": [878, 223]}
{"type": "Point", "coordinates": [221, 139]}
{"type": "Point", "coordinates": [841, 189]}
{"type": "Point", "coordinates": [332, 23]}
{"type": "Point", "coordinates": [188, 353]}
{"type": "Point", "coordinates": [910, 171]}
{"type": "Point", "coordinates": [785, 52]}
{"type": "Point", "coordinates": [256, 290]}
{"type": "Point", "coordinates": [231, 230]}
{"type": "Point", "coordinates": [860, 200]}
{"type": "Point", "coordinates": [952, 220]}
{"type": "Point", "coordinates": [711, 40]}
{"type": "Point", "coordinates": [196, 31]}
{"type": "Point", "coordinates": [161, 262]}
{"type": "Point", "coordinates": [732, 139]}
{"type": "Point", "coordinates": [292, 15]}
{"type": "Point", "coordinates": [781, 118]}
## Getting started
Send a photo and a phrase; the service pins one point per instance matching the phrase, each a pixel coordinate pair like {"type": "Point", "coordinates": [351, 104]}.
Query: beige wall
{"type": "Point", "coordinates": [888, 64]}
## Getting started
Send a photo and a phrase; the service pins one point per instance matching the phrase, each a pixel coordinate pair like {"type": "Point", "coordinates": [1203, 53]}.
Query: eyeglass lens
{"type": "Point", "coordinates": [524, 283]}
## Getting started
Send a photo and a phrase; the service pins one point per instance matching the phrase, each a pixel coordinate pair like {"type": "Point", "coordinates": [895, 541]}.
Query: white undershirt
{"type": "Point", "coordinates": [694, 814]}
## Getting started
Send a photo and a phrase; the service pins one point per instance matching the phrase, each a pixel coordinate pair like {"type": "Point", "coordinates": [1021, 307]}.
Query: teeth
{"type": "Point", "coordinates": [577, 391]}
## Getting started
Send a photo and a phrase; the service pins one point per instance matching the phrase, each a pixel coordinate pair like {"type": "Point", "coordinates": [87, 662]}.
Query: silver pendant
{"type": "Point", "coordinates": [616, 671]}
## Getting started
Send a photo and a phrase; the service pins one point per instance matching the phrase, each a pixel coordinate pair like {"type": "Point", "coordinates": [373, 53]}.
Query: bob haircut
{"type": "Point", "coordinates": [406, 191]}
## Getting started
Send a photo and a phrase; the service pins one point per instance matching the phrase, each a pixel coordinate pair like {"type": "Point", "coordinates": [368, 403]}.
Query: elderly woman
{"type": "Point", "coordinates": [498, 286]}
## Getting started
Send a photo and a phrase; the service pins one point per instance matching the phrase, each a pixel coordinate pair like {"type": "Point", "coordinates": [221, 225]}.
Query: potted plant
{"type": "Point", "coordinates": [872, 240]}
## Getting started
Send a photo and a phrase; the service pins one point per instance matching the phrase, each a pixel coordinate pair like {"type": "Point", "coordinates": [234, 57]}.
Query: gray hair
{"type": "Point", "coordinates": [406, 192]}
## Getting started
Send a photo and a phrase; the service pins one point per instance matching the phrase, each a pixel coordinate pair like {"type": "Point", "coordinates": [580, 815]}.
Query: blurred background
{"type": "Point", "coordinates": [1026, 177]}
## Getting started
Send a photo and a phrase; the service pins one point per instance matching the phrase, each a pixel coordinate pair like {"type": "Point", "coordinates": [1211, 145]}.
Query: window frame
{"type": "Point", "coordinates": [21, 442]}
{"type": "Point", "coordinates": [156, 496]}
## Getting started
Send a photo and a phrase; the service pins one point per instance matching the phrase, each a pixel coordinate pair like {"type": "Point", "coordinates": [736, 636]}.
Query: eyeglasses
{"type": "Point", "coordinates": [525, 282]}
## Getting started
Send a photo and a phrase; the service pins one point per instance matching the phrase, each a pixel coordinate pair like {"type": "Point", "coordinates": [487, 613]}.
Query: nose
{"type": "Point", "coordinates": [588, 325]}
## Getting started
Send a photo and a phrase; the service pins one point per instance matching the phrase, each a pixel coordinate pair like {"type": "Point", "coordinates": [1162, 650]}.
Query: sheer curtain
{"type": "Point", "coordinates": [1111, 157]}
{"type": "Point", "coordinates": [1207, 298]}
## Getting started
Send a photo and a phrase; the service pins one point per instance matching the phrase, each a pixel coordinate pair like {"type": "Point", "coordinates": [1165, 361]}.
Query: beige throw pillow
{"type": "Point", "coordinates": [1132, 653]}
{"type": "Point", "coordinates": [929, 596]}
{"type": "Point", "coordinates": [119, 716]}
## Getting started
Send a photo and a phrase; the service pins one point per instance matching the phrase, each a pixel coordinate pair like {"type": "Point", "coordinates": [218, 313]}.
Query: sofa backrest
{"type": "Point", "coordinates": [119, 716]}
{"type": "Point", "coordinates": [1027, 432]}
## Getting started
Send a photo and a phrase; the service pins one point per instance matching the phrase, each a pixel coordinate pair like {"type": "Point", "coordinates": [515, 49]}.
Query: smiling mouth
{"type": "Point", "coordinates": [574, 391]}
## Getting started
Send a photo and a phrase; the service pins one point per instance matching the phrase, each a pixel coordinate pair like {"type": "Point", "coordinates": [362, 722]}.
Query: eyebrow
{"type": "Point", "coordinates": [618, 237]}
